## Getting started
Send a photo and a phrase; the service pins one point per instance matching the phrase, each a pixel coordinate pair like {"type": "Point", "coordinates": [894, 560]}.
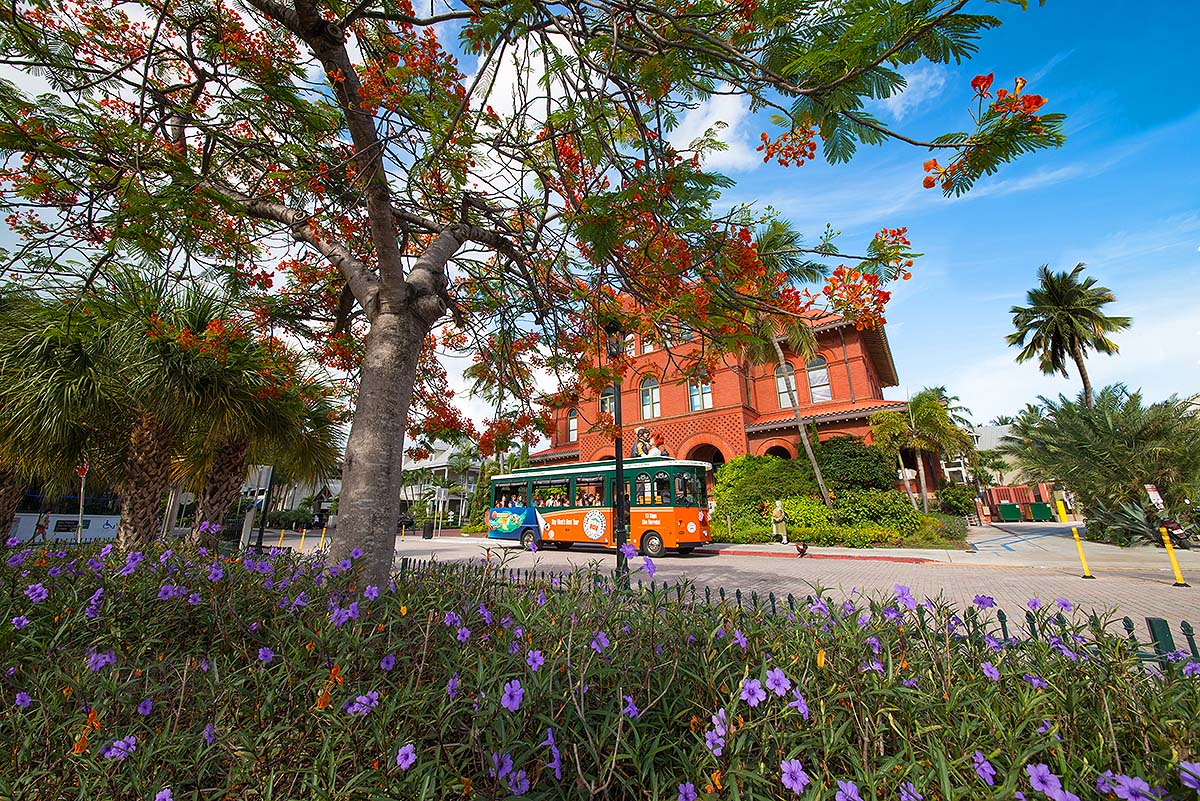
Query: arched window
{"type": "Point", "coordinates": [650, 407]}
{"type": "Point", "coordinates": [630, 345]}
{"type": "Point", "coordinates": [782, 373]}
{"type": "Point", "coordinates": [818, 381]}
{"type": "Point", "coordinates": [699, 395]}
{"type": "Point", "coordinates": [606, 401]}
{"type": "Point", "coordinates": [647, 344]}
{"type": "Point", "coordinates": [642, 487]}
{"type": "Point", "coordinates": [572, 426]}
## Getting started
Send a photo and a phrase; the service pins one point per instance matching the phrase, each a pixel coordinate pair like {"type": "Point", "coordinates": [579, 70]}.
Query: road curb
{"type": "Point", "coordinates": [904, 560]}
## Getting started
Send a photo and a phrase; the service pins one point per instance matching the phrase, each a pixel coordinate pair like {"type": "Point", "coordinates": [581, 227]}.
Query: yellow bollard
{"type": "Point", "coordinates": [302, 540]}
{"type": "Point", "coordinates": [1179, 582]}
{"type": "Point", "coordinates": [280, 545]}
{"type": "Point", "coordinates": [1079, 545]}
{"type": "Point", "coordinates": [321, 544]}
{"type": "Point", "coordinates": [1062, 512]}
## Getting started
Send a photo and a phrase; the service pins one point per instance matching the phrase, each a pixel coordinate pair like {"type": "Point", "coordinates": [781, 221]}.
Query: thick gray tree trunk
{"type": "Point", "coordinates": [904, 477]}
{"type": "Point", "coordinates": [921, 482]}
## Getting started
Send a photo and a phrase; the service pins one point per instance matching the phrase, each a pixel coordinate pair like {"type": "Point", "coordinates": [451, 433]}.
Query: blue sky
{"type": "Point", "coordinates": [1123, 195]}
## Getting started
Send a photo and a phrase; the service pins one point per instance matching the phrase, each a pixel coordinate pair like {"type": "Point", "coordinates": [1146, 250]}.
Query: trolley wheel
{"type": "Point", "coordinates": [652, 544]}
{"type": "Point", "coordinates": [527, 539]}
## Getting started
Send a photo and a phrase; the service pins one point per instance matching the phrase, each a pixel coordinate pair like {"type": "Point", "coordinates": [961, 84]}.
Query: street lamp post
{"type": "Point", "coordinates": [262, 521]}
{"type": "Point", "coordinates": [615, 345]}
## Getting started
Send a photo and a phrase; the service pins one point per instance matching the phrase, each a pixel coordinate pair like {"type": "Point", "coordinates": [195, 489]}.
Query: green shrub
{"type": "Point", "coordinates": [865, 536]}
{"type": "Point", "coordinates": [249, 689]}
{"type": "Point", "coordinates": [806, 512]}
{"type": "Point", "coordinates": [889, 508]}
{"type": "Point", "coordinates": [291, 519]}
{"type": "Point", "coordinates": [849, 463]}
{"type": "Point", "coordinates": [938, 531]}
{"type": "Point", "coordinates": [747, 487]}
{"type": "Point", "coordinates": [956, 499]}
{"type": "Point", "coordinates": [742, 533]}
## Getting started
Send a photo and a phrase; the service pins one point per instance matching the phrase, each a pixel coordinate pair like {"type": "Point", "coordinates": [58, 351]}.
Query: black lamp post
{"type": "Point", "coordinates": [615, 345]}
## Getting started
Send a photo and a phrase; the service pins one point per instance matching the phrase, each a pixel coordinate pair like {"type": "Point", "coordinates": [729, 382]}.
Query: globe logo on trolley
{"type": "Point", "coordinates": [594, 525]}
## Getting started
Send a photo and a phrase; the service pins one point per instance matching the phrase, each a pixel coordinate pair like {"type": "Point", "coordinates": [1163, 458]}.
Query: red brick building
{"type": "Point", "coordinates": [744, 409]}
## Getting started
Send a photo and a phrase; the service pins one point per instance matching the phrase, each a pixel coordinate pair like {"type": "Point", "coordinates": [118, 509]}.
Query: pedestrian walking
{"type": "Point", "coordinates": [779, 522]}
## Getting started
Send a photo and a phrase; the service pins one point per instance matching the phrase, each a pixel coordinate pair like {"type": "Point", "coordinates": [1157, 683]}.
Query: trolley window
{"type": "Point", "coordinates": [685, 490]}
{"type": "Point", "coordinates": [509, 494]}
{"type": "Point", "coordinates": [662, 489]}
{"type": "Point", "coordinates": [642, 490]}
{"type": "Point", "coordinates": [589, 492]}
{"type": "Point", "coordinates": [552, 493]}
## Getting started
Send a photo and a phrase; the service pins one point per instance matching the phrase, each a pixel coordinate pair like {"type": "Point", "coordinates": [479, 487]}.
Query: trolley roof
{"type": "Point", "coordinates": [605, 466]}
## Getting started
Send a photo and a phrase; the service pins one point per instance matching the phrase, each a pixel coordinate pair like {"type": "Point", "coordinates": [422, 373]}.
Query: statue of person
{"type": "Point", "coordinates": [779, 522]}
{"type": "Point", "coordinates": [660, 446]}
{"type": "Point", "coordinates": [642, 445]}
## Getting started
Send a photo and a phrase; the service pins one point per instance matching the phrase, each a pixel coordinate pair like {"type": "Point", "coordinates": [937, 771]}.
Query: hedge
{"type": "Point", "coordinates": [294, 681]}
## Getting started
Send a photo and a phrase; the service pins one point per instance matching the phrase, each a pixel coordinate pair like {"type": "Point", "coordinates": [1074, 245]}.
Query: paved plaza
{"type": "Point", "coordinates": [1013, 564]}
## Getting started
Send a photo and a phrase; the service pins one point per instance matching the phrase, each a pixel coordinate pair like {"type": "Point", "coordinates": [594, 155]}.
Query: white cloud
{"type": "Point", "coordinates": [925, 83]}
{"type": "Point", "coordinates": [732, 111]}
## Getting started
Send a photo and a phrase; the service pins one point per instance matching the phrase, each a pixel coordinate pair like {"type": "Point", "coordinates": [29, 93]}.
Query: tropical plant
{"type": "Point", "coordinates": [850, 463]}
{"type": "Point", "coordinates": [1108, 452]}
{"type": "Point", "coordinates": [878, 507]}
{"type": "Point", "coordinates": [959, 414]}
{"type": "Point", "coordinates": [409, 189]}
{"type": "Point", "coordinates": [1002, 420]}
{"type": "Point", "coordinates": [924, 427]}
{"type": "Point", "coordinates": [990, 465]}
{"type": "Point", "coordinates": [1064, 320]}
{"type": "Point", "coordinates": [747, 486]}
{"type": "Point", "coordinates": [779, 247]}
{"type": "Point", "coordinates": [956, 499]}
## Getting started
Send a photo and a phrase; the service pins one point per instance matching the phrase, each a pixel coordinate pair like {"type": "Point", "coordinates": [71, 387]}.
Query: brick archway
{"type": "Point", "coordinates": [701, 446]}
{"type": "Point", "coordinates": [776, 444]}
{"type": "Point", "coordinates": [601, 454]}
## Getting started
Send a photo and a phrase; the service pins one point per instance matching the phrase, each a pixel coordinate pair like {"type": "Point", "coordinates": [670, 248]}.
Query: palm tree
{"type": "Point", "coordinates": [959, 414]}
{"type": "Point", "coordinates": [991, 462]}
{"type": "Point", "coordinates": [892, 431]}
{"type": "Point", "coordinates": [778, 246]}
{"type": "Point", "coordinates": [925, 427]}
{"type": "Point", "coordinates": [1002, 420]}
{"type": "Point", "coordinates": [1064, 319]}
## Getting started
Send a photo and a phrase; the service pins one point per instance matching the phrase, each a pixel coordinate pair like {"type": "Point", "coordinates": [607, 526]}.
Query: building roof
{"type": "Point", "coordinates": [560, 453]}
{"type": "Point", "coordinates": [875, 341]}
{"type": "Point", "coordinates": [830, 413]}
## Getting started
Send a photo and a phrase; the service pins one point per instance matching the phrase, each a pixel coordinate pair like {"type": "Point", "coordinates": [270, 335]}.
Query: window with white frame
{"type": "Point", "coordinates": [630, 345]}
{"type": "Point", "coordinates": [785, 374]}
{"type": "Point", "coordinates": [818, 380]}
{"type": "Point", "coordinates": [650, 405]}
{"type": "Point", "coordinates": [699, 395]}
{"type": "Point", "coordinates": [606, 401]}
{"type": "Point", "coordinates": [647, 344]}
{"type": "Point", "coordinates": [572, 426]}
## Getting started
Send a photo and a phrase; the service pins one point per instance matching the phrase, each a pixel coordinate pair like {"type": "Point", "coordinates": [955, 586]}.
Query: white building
{"type": "Point", "coordinates": [437, 482]}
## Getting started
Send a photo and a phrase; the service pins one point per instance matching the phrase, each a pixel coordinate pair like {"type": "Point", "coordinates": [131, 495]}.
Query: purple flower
{"type": "Point", "coordinates": [12, 542]}
{"type": "Point", "coordinates": [904, 596]}
{"type": "Point", "coordinates": [388, 662]}
{"type": "Point", "coordinates": [985, 601]}
{"type": "Point", "coordinates": [648, 564]}
{"type": "Point", "coordinates": [340, 617]}
{"type": "Point", "coordinates": [1042, 780]}
{"type": "Point", "coordinates": [555, 761]}
{"type": "Point", "coordinates": [94, 604]}
{"type": "Point", "coordinates": [1065, 605]}
{"type": "Point", "coordinates": [908, 792]}
{"type": "Point", "coordinates": [1131, 788]}
{"type": "Point", "coordinates": [714, 742]}
{"type": "Point", "coordinates": [513, 693]}
{"type": "Point", "coordinates": [215, 572]}
{"type": "Point", "coordinates": [535, 660]}
{"type": "Point", "coordinates": [599, 642]}
{"type": "Point", "coordinates": [990, 671]}
{"type": "Point", "coordinates": [864, 619]}
{"type": "Point", "coordinates": [194, 599]}
{"type": "Point", "coordinates": [793, 776]}
{"type": "Point", "coordinates": [847, 791]}
{"type": "Point", "coordinates": [452, 620]}
{"type": "Point", "coordinates": [518, 781]}
{"type": "Point", "coordinates": [1189, 774]}
{"type": "Point", "coordinates": [265, 655]}
{"type": "Point", "coordinates": [984, 769]}
{"type": "Point", "coordinates": [628, 551]}
{"type": "Point", "coordinates": [778, 682]}
{"type": "Point", "coordinates": [502, 765]}
{"type": "Point", "coordinates": [687, 792]}
{"type": "Point", "coordinates": [164, 795]}
{"type": "Point", "coordinates": [1036, 682]}
{"type": "Point", "coordinates": [120, 749]}
{"type": "Point", "coordinates": [1104, 782]}
{"type": "Point", "coordinates": [485, 614]}
{"type": "Point", "coordinates": [210, 734]}
{"type": "Point", "coordinates": [131, 562]}
{"type": "Point", "coordinates": [363, 704]}
{"type": "Point", "coordinates": [799, 703]}
{"type": "Point", "coordinates": [1191, 669]}
{"type": "Point", "coordinates": [1034, 604]}
{"type": "Point", "coordinates": [630, 707]}
{"type": "Point", "coordinates": [541, 598]}
{"type": "Point", "coordinates": [752, 692]}
{"type": "Point", "coordinates": [912, 683]}
{"type": "Point", "coordinates": [406, 756]}
{"type": "Point", "coordinates": [371, 593]}
{"type": "Point", "coordinates": [36, 593]}
{"type": "Point", "coordinates": [20, 622]}
{"type": "Point", "coordinates": [98, 659]}
{"type": "Point", "coordinates": [463, 635]}
{"type": "Point", "coordinates": [145, 707]}
{"type": "Point", "coordinates": [891, 614]}
{"type": "Point", "coordinates": [740, 639]}
{"type": "Point", "coordinates": [452, 686]}
{"type": "Point", "coordinates": [23, 700]}
{"type": "Point", "coordinates": [992, 642]}
{"type": "Point", "coordinates": [357, 553]}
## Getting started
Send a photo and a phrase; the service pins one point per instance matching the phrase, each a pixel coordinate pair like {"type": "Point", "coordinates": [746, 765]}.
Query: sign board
{"type": "Point", "coordinates": [1155, 498]}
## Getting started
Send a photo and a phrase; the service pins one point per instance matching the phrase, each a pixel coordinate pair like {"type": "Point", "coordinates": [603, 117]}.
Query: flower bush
{"type": "Point", "coordinates": [279, 677]}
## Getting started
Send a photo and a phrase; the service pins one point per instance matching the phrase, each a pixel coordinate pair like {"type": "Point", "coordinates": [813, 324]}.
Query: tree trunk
{"type": "Point", "coordinates": [371, 475]}
{"type": "Point", "coordinates": [12, 490]}
{"type": "Point", "coordinates": [921, 482]}
{"type": "Point", "coordinates": [147, 475]}
{"type": "Point", "coordinates": [904, 477]}
{"type": "Point", "coordinates": [1077, 355]}
{"type": "Point", "coordinates": [812, 458]}
{"type": "Point", "coordinates": [222, 485]}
